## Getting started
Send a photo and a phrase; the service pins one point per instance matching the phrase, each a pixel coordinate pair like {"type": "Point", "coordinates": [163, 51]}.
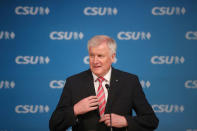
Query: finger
{"type": "Point", "coordinates": [94, 104]}
{"type": "Point", "coordinates": [93, 108]}
{"type": "Point", "coordinates": [93, 100]}
{"type": "Point", "coordinates": [107, 116]}
{"type": "Point", "coordinates": [102, 119]}
{"type": "Point", "coordinates": [107, 122]}
{"type": "Point", "coordinates": [92, 97]}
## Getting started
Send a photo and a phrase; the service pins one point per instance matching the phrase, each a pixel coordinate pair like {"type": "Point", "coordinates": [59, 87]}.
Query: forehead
{"type": "Point", "coordinates": [102, 47]}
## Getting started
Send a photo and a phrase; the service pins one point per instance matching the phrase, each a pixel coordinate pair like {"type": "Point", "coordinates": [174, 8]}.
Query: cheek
{"type": "Point", "coordinates": [107, 63]}
{"type": "Point", "coordinates": [90, 60]}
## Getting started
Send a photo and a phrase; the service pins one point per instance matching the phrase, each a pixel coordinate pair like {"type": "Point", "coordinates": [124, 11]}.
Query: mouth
{"type": "Point", "coordinates": [97, 67]}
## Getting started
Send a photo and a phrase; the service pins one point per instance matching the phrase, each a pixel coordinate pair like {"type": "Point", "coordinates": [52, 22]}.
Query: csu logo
{"type": "Point", "coordinates": [66, 35]}
{"type": "Point", "coordinates": [191, 84]}
{"type": "Point", "coordinates": [7, 35]}
{"type": "Point", "coordinates": [56, 84]}
{"type": "Point", "coordinates": [30, 10]}
{"type": "Point", "coordinates": [145, 84]}
{"type": "Point", "coordinates": [7, 84]}
{"type": "Point", "coordinates": [167, 60]}
{"type": "Point", "coordinates": [32, 60]}
{"type": "Point", "coordinates": [168, 11]}
{"type": "Point", "coordinates": [86, 60]}
{"type": "Point", "coordinates": [166, 108]}
{"type": "Point", "coordinates": [191, 35]}
{"type": "Point", "coordinates": [100, 11]}
{"type": "Point", "coordinates": [134, 35]}
{"type": "Point", "coordinates": [24, 109]}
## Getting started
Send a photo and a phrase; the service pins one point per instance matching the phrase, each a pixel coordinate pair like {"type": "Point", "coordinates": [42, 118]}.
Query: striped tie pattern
{"type": "Point", "coordinates": [101, 97]}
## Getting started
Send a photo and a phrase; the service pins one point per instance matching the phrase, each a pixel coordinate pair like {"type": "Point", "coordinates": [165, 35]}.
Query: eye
{"type": "Point", "coordinates": [91, 55]}
{"type": "Point", "coordinates": [100, 56]}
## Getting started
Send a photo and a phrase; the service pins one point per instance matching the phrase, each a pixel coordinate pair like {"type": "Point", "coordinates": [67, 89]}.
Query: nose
{"type": "Point", "coordinates": [95, 60]}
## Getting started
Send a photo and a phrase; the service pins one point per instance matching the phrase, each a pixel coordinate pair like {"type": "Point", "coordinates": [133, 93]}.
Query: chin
{"type": "Point", "coordinates": [97, 73]}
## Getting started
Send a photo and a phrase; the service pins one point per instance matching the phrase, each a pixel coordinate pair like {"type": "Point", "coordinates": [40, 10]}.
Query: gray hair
{"type": "Point", "coordinates": [98, 39]}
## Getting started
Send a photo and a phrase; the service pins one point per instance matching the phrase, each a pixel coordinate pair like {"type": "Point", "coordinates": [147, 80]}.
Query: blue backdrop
{"type": "Point", "coordinates": [42, 42]}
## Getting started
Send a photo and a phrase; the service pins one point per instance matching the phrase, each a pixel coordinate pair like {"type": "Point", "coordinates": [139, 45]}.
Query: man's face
{"type": "Point", "coordinates": [100, 59]}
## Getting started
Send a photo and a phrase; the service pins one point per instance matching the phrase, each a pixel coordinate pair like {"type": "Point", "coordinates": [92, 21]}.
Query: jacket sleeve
{"type": "Point", "coordinates": [63, 116]}
{"type": "Point", "coordinates": [145, 119]}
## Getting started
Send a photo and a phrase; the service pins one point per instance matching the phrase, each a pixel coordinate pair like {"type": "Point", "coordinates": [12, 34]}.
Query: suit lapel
{"type": "Point", "coordinates": [90, 84]}
{"type": "Point", "coordinates": [91, 88]}
{"type": "Point", "coordinates": [114, 84]}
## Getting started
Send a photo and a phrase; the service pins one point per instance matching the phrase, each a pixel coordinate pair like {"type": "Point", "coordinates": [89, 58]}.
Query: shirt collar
{"type": "Point", "coordinates": [107, 77]}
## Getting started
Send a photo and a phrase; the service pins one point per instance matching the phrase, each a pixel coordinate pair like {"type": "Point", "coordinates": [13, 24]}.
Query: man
{"type": "Point", "coordinates": [86, 103]}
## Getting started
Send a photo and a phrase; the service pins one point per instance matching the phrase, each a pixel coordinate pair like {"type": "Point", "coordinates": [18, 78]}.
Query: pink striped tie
{"type": "Point", "coordinates": [101, 97]}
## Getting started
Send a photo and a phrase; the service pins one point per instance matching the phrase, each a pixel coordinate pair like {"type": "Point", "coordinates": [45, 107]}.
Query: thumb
{"type": "Point", "coordinates": [102, 119]}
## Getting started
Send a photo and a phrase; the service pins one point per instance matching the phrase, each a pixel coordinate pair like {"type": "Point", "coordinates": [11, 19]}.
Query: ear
{"type": "Point", "coordinates": [113, 57]}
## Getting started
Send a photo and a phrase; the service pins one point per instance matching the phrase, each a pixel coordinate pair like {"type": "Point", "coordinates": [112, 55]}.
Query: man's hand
{"type": "Point", "coordinates": [85, 105]}
{"type": "Point", "coordinates": [117, 120]}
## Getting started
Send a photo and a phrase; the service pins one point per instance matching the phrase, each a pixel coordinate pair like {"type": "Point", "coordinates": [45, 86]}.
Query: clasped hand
{"type": "Point", "coordinates": [91, 103]}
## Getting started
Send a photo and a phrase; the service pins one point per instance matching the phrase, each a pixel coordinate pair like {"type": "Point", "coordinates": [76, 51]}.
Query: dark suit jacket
{"type": "Point", "coordinates": [125, 95]}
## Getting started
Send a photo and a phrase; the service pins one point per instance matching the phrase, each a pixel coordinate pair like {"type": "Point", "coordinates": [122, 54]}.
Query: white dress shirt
{"type": "Point", "coordinates": [107, 78]}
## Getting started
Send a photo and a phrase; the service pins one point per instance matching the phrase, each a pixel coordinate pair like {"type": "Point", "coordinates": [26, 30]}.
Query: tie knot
{"type": "Point", "coordinates": [100, 79]}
